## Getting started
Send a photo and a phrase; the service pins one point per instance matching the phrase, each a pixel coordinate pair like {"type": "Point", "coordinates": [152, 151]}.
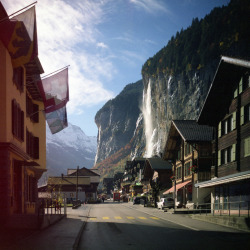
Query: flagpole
{"type": "Point", "coordinates": [6, 18]}
{"type": "Point", "coordinates": [55, 71]}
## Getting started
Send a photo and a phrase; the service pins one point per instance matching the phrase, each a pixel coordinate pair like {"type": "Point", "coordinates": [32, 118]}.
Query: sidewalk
{"type": "Point", "coordinates": [64, 234]}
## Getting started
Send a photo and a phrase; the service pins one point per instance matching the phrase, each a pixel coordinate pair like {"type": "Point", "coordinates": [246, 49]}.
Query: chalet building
{"type": "Point", "coordinates": [157, 171]}
{"type": "Point", "coordinates": [188, 147]}
{"type": "Point", "coordinates": [227, 110]}
{"type": "Point", "coordinates": [91, 191]}
{"type": "Point", "coordinates": [131, 183]}
{"type": "Point", "coordinates": [78, 184]}
{"type": "Point", "coordinates": [22, 135]}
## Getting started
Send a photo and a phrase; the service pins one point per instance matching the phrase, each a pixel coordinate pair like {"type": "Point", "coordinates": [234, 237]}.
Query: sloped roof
{"type": "Point", "coordinates": [220, 94]}
{"type": "Point", "coordinates": [69, 180]}
{"type": "Point", "coordinates": [191, 131]}
{"type": "Point", "coordinates": [157, 163]}
{"type": "Point", "coordinates": [82, 172]}
{"type": "Point", "coordinates": [187, 130]}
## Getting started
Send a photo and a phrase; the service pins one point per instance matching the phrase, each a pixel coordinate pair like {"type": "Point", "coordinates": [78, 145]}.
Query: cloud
{"type": "Point", "coordinates": [150, 6]}
{"type": "Point", "coordinates": [102, 45]}
{"type": "Point", "coordinates": [67, 35]}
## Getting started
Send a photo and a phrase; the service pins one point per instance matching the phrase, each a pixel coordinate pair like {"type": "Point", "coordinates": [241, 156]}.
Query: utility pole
{"type": "Point", "coordinates": [77, 182]}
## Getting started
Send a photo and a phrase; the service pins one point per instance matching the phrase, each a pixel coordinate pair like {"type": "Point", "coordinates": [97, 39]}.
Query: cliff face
{"type": "Point", "coordinates": [171, 98]}
{"type": "Point", "coordinates": [116, 121]}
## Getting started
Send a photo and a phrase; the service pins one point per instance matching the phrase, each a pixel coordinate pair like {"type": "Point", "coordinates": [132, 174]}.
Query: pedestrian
{"type": "Point", "coordinates": [103, 199]}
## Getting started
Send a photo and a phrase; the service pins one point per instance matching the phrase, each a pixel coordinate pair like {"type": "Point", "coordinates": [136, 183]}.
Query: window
{"type": "Point", "coordinates": [30, 189]}
{"type": "Point", "coordinates": [226, 155]}
{"type": "Point", "coordinates": [179, 155]}
{"type": "Point", "coordinates": [245, 114]}
{"type": "Point", "coordinates": [227, 125]}
{"type": "Point", "coordinates": [18, 78]}
{"type": "Point", "coordinates": [187, 149]}
{"type": "Point", "coordinates": [247, 146]}
{"type": "Point", "coordinates": [32, 145]}
{"type": "Point", "coordinates": [187, 168]}
{"type": "Point", "coordinates": [246, 81]}
{"type": "Point", "coordinates": [17, 120]}
{"type": "Point", "coordinates": [32, 110]}
{"type": "Point", "coordinates": [178, 170]}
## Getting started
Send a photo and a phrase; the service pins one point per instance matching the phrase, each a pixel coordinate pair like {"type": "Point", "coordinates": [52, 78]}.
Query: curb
{"type": "Point", "coordinates": [79, 235]}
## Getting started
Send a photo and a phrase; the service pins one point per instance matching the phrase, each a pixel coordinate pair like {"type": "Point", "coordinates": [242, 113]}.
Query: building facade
{"type": "Point", "coordinates": [227, 109]}
{"type": "Point", "coordinates": [22, 136]}
{"type": "Point", "coordinates": [189, 149]}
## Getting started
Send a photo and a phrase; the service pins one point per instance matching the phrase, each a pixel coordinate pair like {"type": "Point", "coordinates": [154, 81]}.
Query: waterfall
{"type": "Point", "coordinates": [148, 121]}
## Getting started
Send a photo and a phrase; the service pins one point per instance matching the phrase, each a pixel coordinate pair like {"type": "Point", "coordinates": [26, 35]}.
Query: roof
{"type": "Point", "coordinates": [191, 131]}
{"type": "Point", "coordinates": [82, 172]}
{"type": "Point", "coordinates": [187, 130]}
{"type": "Point", "coordinates": [157, 163]}
{"type": "Point", "coordinates": [69, 180]}
{"type": "Point", "coordinates": [220, 94]}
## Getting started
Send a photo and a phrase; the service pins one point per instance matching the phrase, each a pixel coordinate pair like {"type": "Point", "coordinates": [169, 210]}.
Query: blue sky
{"type": "Point", "coordinates": [105, 42]}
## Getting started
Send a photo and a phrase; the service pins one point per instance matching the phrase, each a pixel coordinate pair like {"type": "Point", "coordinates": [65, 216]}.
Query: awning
{"type": "Point", "coordinates": [225, 179]}
{"type": "Point", "coordinates": [178, 186]}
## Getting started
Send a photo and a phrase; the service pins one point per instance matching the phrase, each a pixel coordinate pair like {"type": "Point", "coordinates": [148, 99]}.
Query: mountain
{"type": "Point", "coordinates": [69, 148]}
{"type": "Point", "coordinates": [175, 82]}
{"type": "Point", "coordinates": [116, 120]}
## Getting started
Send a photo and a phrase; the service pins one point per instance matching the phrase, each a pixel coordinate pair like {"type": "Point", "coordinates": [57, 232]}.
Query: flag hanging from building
{"type": "Point", "coordinates": [57, 120]}
{"type": "Point", "coordinates": [19, 35]}
{"type": "Point", "coordinates": [55, 91]}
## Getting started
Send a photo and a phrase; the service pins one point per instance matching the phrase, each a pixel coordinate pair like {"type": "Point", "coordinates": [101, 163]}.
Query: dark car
{"type": "Point", "coordinates": [140, 200]}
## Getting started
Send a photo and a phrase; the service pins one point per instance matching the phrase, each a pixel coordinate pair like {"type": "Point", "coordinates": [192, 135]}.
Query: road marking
{"type": "Point", "coordinates": [142, 218]}
{"type": "Point", "coordinates": [118, 217]}
{"type": "Point", "coordinates": [130, 218]}
{"type": "Point", "coordinates": [180, 224]}
{"type": "Point", "coordinates": [105, 218]}
{"type": "Point", "coordinates": [154, 218]}
{"type": "Point", "coordinates": [92, 218]}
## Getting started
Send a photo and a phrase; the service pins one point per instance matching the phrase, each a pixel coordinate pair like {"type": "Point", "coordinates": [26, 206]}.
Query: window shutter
{"type": "Point", "coordinates": [233, 157]}
{"type": "Point", "coordinates": [242, 115]}
{"type": "Point", "coordinates": [219, 130]}
{"type": "Point", "coordinates": [234, 120]}
{"type": "Point", "coordinates": [240, 85]}
{"type": "Point", "coordinates": [219, 158]}
{"type": "Point", "coordinates": [247, 147]}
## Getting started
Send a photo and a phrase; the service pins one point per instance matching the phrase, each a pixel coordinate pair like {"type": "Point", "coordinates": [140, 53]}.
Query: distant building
{"type": "Point", "coordinates": [79, 184]}
{"type": "Point", "coordinates": [227, 110]}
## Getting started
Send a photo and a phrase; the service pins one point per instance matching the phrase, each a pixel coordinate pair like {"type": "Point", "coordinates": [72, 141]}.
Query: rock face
{"type": "Point", "coordinates": [173, 98]}
{"type": "Point", "coordinates": [116, 121]}
{"type": "Point", "coordinates": [125, 120]}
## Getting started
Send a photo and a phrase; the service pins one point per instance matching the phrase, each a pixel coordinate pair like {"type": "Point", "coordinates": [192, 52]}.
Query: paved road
{"type": "Point", "coordinates": [124, 226]}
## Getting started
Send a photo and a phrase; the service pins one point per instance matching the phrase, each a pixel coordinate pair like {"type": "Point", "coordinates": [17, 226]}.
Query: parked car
{"type": "Point", "coordinates": [139, 200]}
{"type": "Point", "coordinates": [165, 203]}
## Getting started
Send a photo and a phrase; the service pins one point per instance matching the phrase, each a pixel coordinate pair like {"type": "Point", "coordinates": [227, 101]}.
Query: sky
{"type": "Point", "coordinates": [105, 42]}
